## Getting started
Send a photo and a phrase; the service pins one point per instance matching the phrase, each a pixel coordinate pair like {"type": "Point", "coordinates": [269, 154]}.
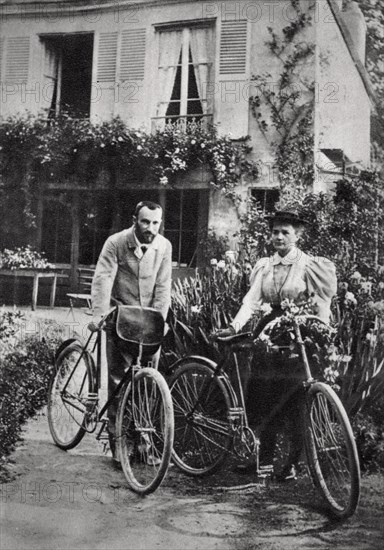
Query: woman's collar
{"type": "Point", "coordinates": [292, 257]}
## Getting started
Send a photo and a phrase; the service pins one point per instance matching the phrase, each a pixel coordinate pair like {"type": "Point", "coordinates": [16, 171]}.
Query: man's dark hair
{"type": "Point", "coordinates": [149, 204]}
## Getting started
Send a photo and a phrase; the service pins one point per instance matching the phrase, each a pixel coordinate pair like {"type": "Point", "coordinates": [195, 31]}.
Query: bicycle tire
{"type": "Point", "coordinates": [66, 413]}
{"type": "Point", "coordinates": [203, 431]}
{"type": "Point", "coordinates": [144, 430]}
{"type": "Point", "coordinates": [331, 451]}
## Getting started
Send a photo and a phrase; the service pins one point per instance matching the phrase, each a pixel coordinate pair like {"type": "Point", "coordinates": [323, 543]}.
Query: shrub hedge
{"type": "Point", "coordinates": [26, 365]}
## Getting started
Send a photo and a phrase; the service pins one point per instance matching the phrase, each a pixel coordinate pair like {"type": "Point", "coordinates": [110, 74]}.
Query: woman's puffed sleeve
{"type": "Point", "coordinates": [253, 299]}
{"type": "Point", "coordinates": [322, 282]}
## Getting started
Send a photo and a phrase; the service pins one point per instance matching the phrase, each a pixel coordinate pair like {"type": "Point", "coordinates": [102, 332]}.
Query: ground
{"type": "Point", "coordinates": [78, 500]}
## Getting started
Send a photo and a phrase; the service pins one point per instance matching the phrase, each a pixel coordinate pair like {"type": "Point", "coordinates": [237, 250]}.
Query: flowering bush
{"type": "Point", "coordinates": [66, 147]}
{"type": "Point", "coordinates": [23, 258]}
{"type": "Point", "coordinates": [205, 303]}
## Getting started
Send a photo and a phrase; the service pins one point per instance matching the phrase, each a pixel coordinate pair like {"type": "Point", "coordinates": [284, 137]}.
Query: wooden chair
{"type": "Point", "coordinates": [85, 276]}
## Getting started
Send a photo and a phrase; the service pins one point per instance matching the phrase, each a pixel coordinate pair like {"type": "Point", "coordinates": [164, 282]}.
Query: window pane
{"type": "Point", "coordinates": [56, 232]}
{"type": "Point", "coordinates": [95, 223]}
{"type": "Point", "coordinates": [267, 198]}
{"type": "Point", "coordinates": [181, 223]}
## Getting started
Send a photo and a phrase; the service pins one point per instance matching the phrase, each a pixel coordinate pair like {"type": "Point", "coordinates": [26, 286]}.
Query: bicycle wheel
{"type": "Point", "coordinates": [144, 430]}
{"type": "Point", "coordinates": [69, 388]}
{"type": "Point", "coordinates": [203, 434]}
{"type": "Point", "coordinates": [331, 451]}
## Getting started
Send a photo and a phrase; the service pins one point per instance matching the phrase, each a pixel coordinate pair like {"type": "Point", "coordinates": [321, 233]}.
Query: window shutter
{"type": "Point", "coordinates": [132, 57]}
{"type": "Point", "coordinates": [233, 47]}
{"type": "Point", "coordinates": [17, 60]}
{"type": "Point", "coordinates": [232, 106]}
{"type": "Point", "coordinates": [107, 54]}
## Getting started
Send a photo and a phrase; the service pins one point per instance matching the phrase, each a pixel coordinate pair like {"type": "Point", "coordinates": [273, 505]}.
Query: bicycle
{"type": "Point", "coordinates": [211, 421]}
{"type": "Point", "coordinates": [144, 423]}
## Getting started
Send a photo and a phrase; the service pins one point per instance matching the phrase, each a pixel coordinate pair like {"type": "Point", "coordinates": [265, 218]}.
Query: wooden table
{"type": "Point", "coordinates": [36, 276]}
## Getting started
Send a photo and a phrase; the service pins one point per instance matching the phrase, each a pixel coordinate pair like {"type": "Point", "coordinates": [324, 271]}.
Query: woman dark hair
{"type": "Point", "coordinates": [288, 274]}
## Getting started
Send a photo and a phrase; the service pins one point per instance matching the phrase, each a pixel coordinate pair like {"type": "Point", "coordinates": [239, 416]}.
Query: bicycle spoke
{"type": "Point", "coordinates": [202, 429]}
{"type": "Point", "coordinates": [145, 430]}
{"type": "Point", "coordinates": [332, 451]}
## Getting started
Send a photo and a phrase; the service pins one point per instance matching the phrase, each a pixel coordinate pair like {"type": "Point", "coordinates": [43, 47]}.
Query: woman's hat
{"type": "Point", "coordinates": [287, 216]}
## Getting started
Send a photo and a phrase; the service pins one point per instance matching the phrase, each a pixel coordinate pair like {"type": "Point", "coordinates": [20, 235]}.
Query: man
{"type": "Point", "coordinates": [134, 268]}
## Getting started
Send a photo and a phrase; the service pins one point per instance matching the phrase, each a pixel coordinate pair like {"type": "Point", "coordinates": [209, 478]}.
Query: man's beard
{"type": "Point", "coordinates": [145, 237]}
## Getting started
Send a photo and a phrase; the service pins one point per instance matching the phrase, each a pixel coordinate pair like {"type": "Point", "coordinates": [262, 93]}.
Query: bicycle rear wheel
{"type": "Point", "coordinates": [68, 392]}
{"type": "Point", "coordinates": [331, 451]}
{"type": "Point", "coordinates": [144, 430]}
{"type": "Point", "coordinates": [203, 434]}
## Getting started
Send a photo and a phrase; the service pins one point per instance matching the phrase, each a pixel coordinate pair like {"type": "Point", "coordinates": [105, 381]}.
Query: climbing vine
{"type": "Point", "coordinates": [283, 110]}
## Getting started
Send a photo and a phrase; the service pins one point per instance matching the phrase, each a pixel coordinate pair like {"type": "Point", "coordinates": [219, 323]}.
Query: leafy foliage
{"type": "Point", "coordinates": [26, 365]}
{"type": "Point", "coordinates": [347, 227]}
{"type": "Point", "coordinates": [373, 11]}
{"type": "Point", "coordinates": [34, 150]}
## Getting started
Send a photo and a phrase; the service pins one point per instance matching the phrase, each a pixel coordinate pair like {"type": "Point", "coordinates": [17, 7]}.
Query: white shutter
{"type": "Point", "coordinates": [132, 56]}
{"type": "Point", "coordinates": [233, 104]}
{"type": "Point", "coordinates": [107, 54]}
{"type": "Point", "coordinates": [17, 60]}
{"type": "Point", "coordinates": [233, 47]}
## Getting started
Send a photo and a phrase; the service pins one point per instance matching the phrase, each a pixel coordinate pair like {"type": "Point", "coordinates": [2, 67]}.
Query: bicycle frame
{"type": "Point", "coordinates": [93, 398]}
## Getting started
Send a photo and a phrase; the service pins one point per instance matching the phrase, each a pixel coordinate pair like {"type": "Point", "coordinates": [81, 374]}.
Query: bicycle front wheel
{"type": "Point", "coordinates": [331, 451]}
{"type": "Point", "coordinates": [203, 431]}
{"type": "Point", "coordinates": [144, 430]}
{"type": "Point", "coordinates": [68, 392]}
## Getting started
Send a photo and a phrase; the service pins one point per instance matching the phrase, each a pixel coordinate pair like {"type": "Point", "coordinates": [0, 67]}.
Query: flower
{"type": "Point", "coordinates": [366, 287]}
{"type": "Point", "coordinates": [163, 180]}
{"type": "Point", "coordinates": [266, 309]}
{"type": "Point", "coordinates": [221, 264]}
{"type": "Point", "coordinates": [356, 276]}
{"type": "Point", "coordinates": [350, 297]}
{"type": "Point", "coordinates": [195, 309]}
{"type": "Point", "coordinates": [213, 262]}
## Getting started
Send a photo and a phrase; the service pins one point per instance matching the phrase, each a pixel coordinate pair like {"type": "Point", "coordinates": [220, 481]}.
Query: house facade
{"type": "Point", "coordinates": [153, 62]}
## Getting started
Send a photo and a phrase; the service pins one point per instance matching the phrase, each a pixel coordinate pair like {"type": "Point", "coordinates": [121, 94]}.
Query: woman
{"type": "Point", "coordinates": [288, 274]}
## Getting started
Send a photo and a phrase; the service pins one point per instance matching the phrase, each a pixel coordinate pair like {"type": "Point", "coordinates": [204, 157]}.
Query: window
{"type": "Point", "coordinates": [181, 225]}
{"type": "Point", "coordinates": [56, 235]}
{"type": "Point", "coordinates": [266, 198]}
{"type": "Point", "coordinates": [96, 218]}
{"type": "Point", "coordinates": [185, 71]}
{"type": "Point", "coordinates": [103, 213]}
{"type": "Point", "coordinates": [68, 74]}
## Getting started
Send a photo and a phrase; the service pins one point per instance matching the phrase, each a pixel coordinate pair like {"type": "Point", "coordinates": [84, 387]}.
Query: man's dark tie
{"type": "Point", "coordinates": [144, 249]}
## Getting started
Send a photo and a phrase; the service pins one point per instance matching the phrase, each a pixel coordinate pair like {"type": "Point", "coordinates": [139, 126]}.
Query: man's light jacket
{"type": "Point", "coordinates": [121, 278]}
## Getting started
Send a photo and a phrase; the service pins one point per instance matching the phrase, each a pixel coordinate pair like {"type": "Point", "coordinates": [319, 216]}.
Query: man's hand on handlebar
{"type": "Point", "coordinates": [93, 326]}
{"type": "Point", "coordinates": [223, 333]}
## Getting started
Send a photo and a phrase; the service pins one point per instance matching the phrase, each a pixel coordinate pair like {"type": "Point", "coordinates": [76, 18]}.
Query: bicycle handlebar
{"type": "Point", "coordinates": [233, 338]}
